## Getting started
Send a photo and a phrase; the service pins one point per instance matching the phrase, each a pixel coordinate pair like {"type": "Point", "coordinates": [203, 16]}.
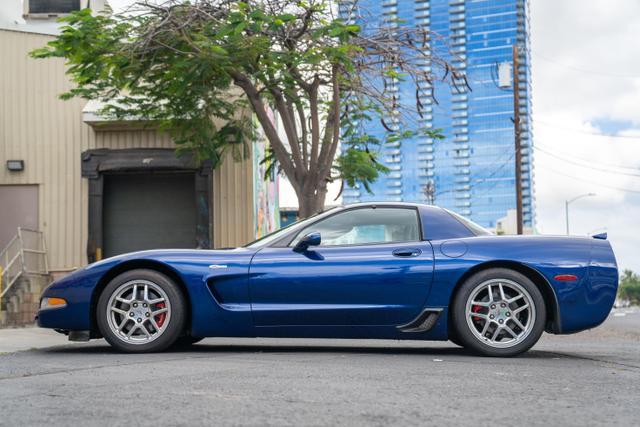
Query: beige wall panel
{"type": "Point", "coordinates": [50, 136]}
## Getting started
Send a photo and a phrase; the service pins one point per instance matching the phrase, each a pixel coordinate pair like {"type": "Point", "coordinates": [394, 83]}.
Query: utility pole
{"type": "Point", "coordinates": [518, 150]}
{"type": "Point", "coordinates": [430, 192]}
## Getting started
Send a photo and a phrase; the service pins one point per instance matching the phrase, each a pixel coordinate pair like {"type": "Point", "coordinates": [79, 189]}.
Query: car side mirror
{"type": "Point", "coordinates": [311, 239]}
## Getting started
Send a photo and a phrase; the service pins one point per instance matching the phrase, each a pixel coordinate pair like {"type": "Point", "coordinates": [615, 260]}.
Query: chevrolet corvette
{"type": "Point", "coordinates": [375, 270]}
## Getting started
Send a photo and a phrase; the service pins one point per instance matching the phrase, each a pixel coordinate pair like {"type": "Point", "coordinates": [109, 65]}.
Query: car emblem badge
{"type": "Point", "coordinates": [216, 266]}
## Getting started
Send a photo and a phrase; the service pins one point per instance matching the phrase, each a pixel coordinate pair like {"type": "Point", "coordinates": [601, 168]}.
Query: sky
{"type": "Point", "coordinates": [586, 83]}
{"type": "Point", "coordinates": [585, 59]}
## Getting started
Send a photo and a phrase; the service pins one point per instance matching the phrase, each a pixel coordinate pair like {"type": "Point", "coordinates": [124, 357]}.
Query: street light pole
{"type": "Point", "coordinates": [566, 207]}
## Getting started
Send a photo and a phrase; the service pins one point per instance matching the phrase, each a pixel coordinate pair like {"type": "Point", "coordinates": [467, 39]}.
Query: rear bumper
{"type": "Point", "coordinates": [586, 303]}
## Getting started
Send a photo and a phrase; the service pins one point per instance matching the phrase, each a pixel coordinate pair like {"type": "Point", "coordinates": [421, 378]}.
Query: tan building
{"type": "Point", "coordinates": [96, 188]}
{"type": "Point", "coordinates": [509, 224]}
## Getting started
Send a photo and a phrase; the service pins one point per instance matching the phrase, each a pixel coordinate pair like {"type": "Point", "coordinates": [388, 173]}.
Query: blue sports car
{"type": "Point", "coordinates": [376, 270]}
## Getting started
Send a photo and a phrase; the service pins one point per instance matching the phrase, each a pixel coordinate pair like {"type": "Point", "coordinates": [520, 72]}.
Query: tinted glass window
{"type": "Point", "coordinates": [475, 228]}
{"type": "Point", "coordinates": [365, 226]}
{"type": "Point", "coordinates": [53, 6]}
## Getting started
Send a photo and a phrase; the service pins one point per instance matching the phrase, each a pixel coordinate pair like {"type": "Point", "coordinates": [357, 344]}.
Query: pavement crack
{"type": "Point", "coordinates": [592, 359]}
{"type": "Point", "coordinates": [91, 368]}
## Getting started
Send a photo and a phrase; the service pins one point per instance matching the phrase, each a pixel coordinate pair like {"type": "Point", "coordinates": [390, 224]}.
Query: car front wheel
{"type": "Point", "coordinates": [141, 311]}
{"type": "Point", "coordinates": [498, 312]}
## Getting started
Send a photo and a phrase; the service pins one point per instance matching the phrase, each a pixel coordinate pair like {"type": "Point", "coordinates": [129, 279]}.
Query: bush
{"type": "Point", "coordinates": [629, 288]}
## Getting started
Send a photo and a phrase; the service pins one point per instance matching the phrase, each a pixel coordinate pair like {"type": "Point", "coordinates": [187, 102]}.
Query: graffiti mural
{"type": "Point", "coordinates": [265, 191]}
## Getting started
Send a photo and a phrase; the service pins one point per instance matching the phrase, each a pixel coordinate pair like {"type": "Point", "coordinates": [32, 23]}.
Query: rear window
{"type": "Point", "coordinates": [475, 228]}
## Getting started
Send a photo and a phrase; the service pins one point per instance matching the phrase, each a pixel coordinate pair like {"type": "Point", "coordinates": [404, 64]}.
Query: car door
{"type": "Point", "coordinates": [371, 268]}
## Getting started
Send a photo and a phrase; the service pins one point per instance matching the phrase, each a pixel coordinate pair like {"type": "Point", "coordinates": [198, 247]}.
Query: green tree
{"type": "Point", "coordinates": [629, 288]}
{"type": "Point", "coordinates": [176, 64]}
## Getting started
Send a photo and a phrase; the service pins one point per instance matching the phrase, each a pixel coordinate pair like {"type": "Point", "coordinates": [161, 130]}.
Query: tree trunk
{"type": "Point", "coordinates": [310, 203]}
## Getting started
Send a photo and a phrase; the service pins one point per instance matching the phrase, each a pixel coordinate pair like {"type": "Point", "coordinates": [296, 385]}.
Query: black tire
{"type": "Point", "coordinates": [176, 321]}
{"type": "Point", "coordinates": [186, 341]}
{"type": "Point", "coordinates": [462, 330]}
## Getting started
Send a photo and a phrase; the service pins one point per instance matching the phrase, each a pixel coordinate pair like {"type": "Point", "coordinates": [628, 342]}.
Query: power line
{"type": "Point", "coordinates": [573, 162]}
{"type": "Point", "coordinates": [483, 180]}
{"type": "Point", "coordinates": [607, 135]}
{"type": "Point", "coordinates": [582, 159]}
{"type": "Point", "coordinates": [583, 70]}
{"type": "Point", "coordinates": [582, 179]}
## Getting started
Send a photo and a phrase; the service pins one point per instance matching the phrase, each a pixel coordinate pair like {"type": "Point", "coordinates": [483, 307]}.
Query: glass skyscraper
{"type": "Point", "coordinates": [471, 171]}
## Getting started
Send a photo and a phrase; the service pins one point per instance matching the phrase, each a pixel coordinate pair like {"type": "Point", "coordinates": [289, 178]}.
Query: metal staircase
{"type": "Point", "coordinates": [23, 274]}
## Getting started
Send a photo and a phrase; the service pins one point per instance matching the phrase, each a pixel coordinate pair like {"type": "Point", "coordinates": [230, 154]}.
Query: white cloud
{"type": "Point", "coordinates": [586, 68]}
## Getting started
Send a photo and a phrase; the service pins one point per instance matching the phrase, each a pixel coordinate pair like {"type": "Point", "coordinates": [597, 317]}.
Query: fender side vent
{"type": "Point", "coordinates": [425, 321]}
{"type": "Point", "coordinates": [216, 294]}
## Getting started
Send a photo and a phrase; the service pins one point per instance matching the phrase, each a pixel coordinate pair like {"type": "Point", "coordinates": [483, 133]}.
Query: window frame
{"type": "Point", "coordinates": [27, 13]}
{"type": "Point", "coordinates": [287, 240]}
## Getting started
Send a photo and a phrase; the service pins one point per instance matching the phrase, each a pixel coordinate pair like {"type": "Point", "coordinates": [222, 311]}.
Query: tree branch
{"type": "Point", "coordinates": [258, 106]}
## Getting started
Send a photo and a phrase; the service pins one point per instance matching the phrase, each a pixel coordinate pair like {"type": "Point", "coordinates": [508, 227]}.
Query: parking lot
{"type": "Point", "coordinates": [584, 379]}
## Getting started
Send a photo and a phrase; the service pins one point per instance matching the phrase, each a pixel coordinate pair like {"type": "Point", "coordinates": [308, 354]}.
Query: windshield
{"type": "Point", "coordinates": [275, 235]}
{"type": "Point", "coordinates": [475, 228]}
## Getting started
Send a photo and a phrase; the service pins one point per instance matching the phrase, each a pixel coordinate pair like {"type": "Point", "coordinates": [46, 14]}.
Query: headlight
{"type": "Point", "coordinates": [52, 302]}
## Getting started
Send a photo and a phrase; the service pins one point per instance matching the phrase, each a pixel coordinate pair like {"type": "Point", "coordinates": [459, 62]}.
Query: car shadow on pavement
{"type": "Point", "coordinates": [100, 347]}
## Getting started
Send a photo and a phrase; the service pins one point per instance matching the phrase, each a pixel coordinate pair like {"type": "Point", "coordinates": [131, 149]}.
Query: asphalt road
{"type": "Point", "coordinates": [591, 378]}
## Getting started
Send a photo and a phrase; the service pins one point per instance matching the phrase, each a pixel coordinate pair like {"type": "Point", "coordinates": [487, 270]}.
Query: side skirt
{"type": "Point", "coordinates": [425, 321]}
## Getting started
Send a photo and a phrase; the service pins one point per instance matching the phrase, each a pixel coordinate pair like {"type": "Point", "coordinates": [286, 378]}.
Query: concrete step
{"type": "Point", "coordinates": [21, 304]}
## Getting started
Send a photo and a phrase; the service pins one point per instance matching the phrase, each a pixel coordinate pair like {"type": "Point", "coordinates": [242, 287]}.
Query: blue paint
{"type": "Point", "coordinates": [352, 291]}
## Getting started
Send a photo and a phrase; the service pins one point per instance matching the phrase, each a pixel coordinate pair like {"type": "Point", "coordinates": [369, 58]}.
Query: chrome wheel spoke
{"type": "Point", "coordinates": [481, 303]}
{"type": "Point", "coordinates": [146, 332]}
{"type": "Point", "coordinates": [132, 330]}
{"type": "Point", "coordinates": [495, 334]}
{"type": "Point", "coordinates": [119, 311]}
{"type": "Point", "coordinates": [518, 323]}
{"type": "Point", "coordinates": [154, 323]}
{"type": "Point", "coordinates": [519, 309]}
{"type": "Point", "coordinates": [508, 329]}
{"type": "Point", "coordinates": [514, 299]}
{"type": "Point", "coordinates": [121, 325]}
{"type": "Point", "coordinates": [480, 315]}
{"type": "Point", "coordinates": [486, 328]}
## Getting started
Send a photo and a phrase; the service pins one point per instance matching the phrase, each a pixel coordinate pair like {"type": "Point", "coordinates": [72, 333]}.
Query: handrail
{"type": "Point", "coordinates": [15, 263]}
{"type": "Point", "coordinates": [3, 253]}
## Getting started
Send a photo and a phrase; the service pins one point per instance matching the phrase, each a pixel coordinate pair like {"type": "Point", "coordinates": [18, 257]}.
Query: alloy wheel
{"type": "Point", "coordinates": [138, 312]}
{"type": "Point", "coordinates": [500, 313]}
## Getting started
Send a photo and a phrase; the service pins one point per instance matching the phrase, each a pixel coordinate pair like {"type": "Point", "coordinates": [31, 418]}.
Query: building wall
{"type": "Point", "coordinates": [50, 136]}
{"type": "Point", "coordinates": [471, 171]}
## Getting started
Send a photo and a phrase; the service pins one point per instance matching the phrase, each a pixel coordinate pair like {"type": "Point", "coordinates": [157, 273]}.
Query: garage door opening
{"type": "Point", "coordinates": [149, 211]}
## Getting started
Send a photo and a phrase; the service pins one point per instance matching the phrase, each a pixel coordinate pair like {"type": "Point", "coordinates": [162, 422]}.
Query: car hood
{"type": "Point", "coordinates": [172, 256]}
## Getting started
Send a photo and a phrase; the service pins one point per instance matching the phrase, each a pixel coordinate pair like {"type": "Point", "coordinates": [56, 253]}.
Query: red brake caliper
{"type": "Point", "coordinates": [160, 318]}
{"type": "Point", "coordinates": [476, 309]}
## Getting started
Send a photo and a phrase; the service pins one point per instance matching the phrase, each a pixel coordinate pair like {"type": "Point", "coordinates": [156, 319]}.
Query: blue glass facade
{"type": "Point", "coordinates": [471, 171]}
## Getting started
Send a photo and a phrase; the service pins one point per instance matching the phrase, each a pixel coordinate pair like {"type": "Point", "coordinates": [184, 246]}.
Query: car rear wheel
{"type": "Point", "coordinates": [498, 312]}
{"type": "Point", "coordinates": [141, 311]}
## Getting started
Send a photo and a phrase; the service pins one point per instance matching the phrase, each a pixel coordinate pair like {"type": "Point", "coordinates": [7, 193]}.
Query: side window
{"type": "Point", "coordinates": [365, 226]}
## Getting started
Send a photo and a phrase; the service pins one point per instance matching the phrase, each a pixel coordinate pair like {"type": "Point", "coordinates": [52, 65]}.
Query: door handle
{"type": "Point", "coordinates": [407, 252]}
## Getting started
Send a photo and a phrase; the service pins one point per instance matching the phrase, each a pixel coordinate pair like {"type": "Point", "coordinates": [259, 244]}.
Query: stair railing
{"type": "Point", "coordinates": [26, 253]}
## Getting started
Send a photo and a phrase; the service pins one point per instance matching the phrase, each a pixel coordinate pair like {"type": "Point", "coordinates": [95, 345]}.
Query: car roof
{"type": "Point", "coordinates": [406, 204]}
